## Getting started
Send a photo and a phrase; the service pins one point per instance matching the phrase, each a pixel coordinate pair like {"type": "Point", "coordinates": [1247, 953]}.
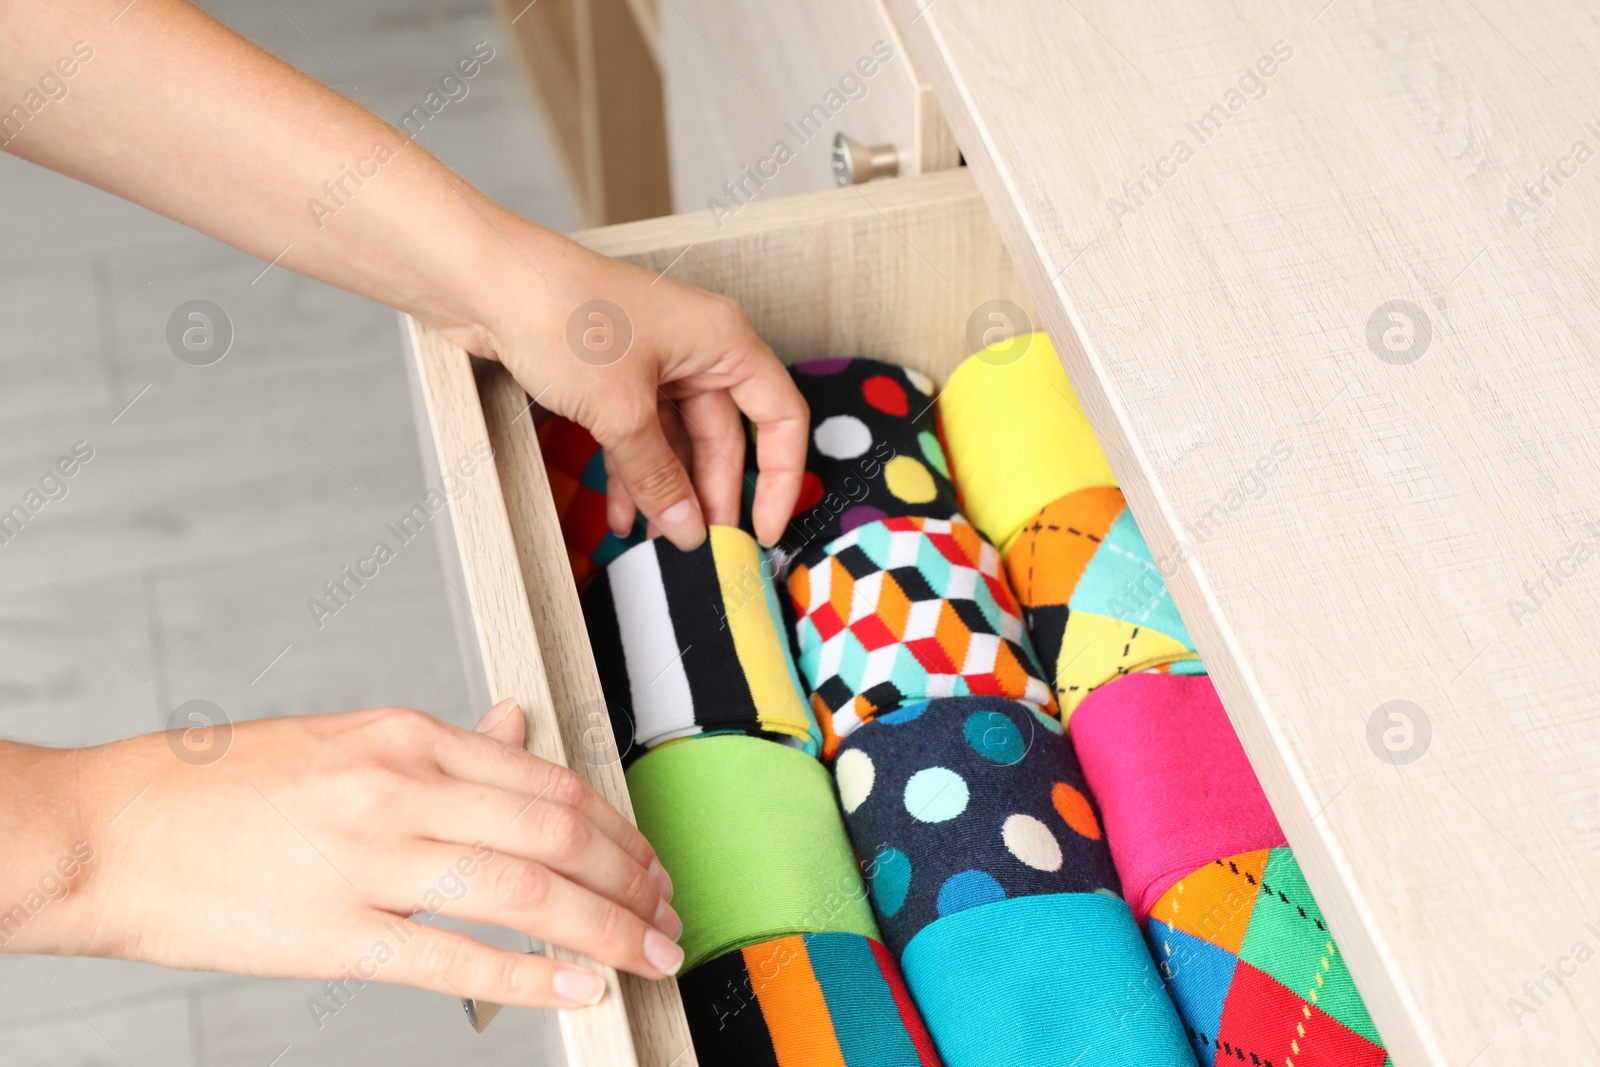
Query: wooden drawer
{"type": "Point", "coordinates": [893, 271]}
{"type": "Point", "coordinates": [1275, 224]}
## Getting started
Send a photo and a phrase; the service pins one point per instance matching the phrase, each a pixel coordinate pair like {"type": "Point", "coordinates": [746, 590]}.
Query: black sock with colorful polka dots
{"type": "Point", "coordinates": [873, 453]}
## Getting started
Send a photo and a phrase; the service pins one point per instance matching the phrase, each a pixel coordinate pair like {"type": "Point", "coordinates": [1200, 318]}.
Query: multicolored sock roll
{"type": "Point", "coordinates": [908, 609]}
{"type": "Point", "coordinates": [1254, 971]}
{"type": "Point", "coordinates": [953, 804]}
{"type": "Point", "coordinates": [1251, 965]}
{"type": "Point", "coordinates": [1016, 436]}
{"type": "Point", "coordinates": [1173, 783]}
{"type": "Point", "coordinates": [694, 642]}
{"type": "Point", "coordinates": [1044, 981]}
{"type": "Point", "coordinates": [752, 835]}
{"type": "Point", "coordinates": [577, 472]}
{"type": "Point", "coordinates": [874, 453]}
{"type": "Point", "coordinates": [1093, 597]}
{"type": "Point", "coordinates": [817, 1000]}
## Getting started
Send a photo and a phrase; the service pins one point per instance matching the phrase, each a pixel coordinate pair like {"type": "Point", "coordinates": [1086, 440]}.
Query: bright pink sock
{"type": "Point", "coordinates": [1174, 787]}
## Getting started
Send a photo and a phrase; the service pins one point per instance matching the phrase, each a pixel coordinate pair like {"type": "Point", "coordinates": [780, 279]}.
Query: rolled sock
{"type": "Point", "coordinates": [694, 642]}
{"type": "Point", "coordinates": [1093, 595]}
{"type": "Point", "coordinates": [903, 610]}
{"type": "Point", "coordinates": [751, 834]}
{"type": "Point", "coordinates": [1044, 981]}
{"type": "Point", "coordinates": [1016, 436]}
{"type": "Point", "coordinates": [956, 803]}
{"type": "Point", "coordinates": [576, 467]}
{"type": "Point", "coordinates": [874, 452]}
{"type": "Point", "coordinates": [1173, 784]}
{"type": "Point", "coordinates": [1253, 970]}
{"type": "Point", "coordinates": [816, 1000]}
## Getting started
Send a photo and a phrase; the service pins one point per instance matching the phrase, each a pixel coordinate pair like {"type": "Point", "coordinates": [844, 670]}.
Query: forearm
{"type": "Point", "coordinates": [168, 108]}
{"type": "Point", "coordinates": [165, 107]}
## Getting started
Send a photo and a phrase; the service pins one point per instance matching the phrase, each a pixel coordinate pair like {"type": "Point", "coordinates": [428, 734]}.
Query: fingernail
{"type": "Point", "coordinates": [495, 715]}
{"type": "Point", "coordinates": [663, 879]}
{"type": "Point", "coordinates": [663, 955]}
{"type": "Point", "coordinates": [579, 986]}
{"type": "Point", "coordinates": [681, 523]}
{"type": "Point", "coordinates": [667, 921]}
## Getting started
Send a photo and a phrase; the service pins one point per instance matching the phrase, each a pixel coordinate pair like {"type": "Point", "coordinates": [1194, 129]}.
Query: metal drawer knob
{"type": "Point", "coordinates": [854, 163]}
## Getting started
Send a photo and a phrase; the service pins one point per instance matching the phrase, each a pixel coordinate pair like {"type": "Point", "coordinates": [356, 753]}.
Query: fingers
{"type": "Point", "coordinates": [474, 757]}
{"type": "Point", "coordinates": [768, 396]}
{"type": "Point", "coordinates": [658, 482]}
{"type": "Point", "coordinates": [455, 964]}
{"type": "Point", "coordinates": [620, 508]}
{"type": "Point", "coordinates": [560, 837]}
{"type": "Point", "coordinates": [716, 435]}
{"type": "Point", "coordinates": [504, 723]}
{"type": "Point", "coordinates": [529, 896]}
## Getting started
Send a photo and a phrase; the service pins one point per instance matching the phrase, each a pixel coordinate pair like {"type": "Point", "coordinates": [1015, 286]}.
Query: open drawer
{"type": "Point", "coordinates": [896, 271]}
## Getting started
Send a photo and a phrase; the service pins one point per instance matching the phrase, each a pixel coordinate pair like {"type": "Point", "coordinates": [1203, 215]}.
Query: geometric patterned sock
{"type": "Point", "coordinates": [908, 609]}
{"type": "Point", "coordinates": [1253, 970]}
{"type": "Point", "coordinates": [1093, 596]}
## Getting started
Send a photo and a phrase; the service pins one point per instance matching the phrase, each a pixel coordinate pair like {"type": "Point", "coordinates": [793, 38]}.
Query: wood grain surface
{"type": "Point", "coordinates": [740, 76]}
{"type": "Point", "coordinates": [655, 1010]}
{"type": "Point", "coordinates": [908, 270]}
{"type": "Point", "coordinates": [1324, 276]}
{"type": "Point", "coordinates": [591, 67]}
{"type": "Point", "coordinates": [513, 662]}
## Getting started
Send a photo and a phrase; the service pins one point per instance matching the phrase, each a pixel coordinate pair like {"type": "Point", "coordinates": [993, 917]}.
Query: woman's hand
{"type": "Point", "coordinates": [660, 373]}
{"type": "Point", "coordinates": [281, 152]}
{"type": "Point", "coordinates": [303, 851]}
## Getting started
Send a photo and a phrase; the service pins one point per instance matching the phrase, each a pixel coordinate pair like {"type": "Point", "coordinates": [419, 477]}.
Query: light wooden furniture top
{"type": "Point", "coordinates": [1223, 290]}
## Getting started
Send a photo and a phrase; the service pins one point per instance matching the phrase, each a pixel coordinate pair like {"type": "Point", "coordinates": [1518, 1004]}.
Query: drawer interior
{"type": "Point", "coordinates": [909, 271]}
{"type": "Point", "coordinates": [900, 271]}
{"type": "Point", "coordinates": [893, 270]}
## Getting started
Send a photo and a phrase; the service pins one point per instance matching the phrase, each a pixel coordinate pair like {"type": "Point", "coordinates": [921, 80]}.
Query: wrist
{"type": "Point", "coordinates": [533, 280]}
{"type": "Point", "coordinates": [47, 851]}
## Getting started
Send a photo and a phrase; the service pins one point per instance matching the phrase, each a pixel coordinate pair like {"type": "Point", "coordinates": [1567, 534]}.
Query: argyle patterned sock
{"type": "Point", "coordinates": [1253, 970]}
{"type": "Point", "coordinates": [1093, 596]}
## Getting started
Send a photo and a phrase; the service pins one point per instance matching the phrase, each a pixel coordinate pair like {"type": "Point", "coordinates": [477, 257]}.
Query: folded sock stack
{"type": "Point", "coordinates": [783, 962]}
{"type": "Point", "coordinates": [1203, 864]}
{"type": "Point", "coordinates": [1236, 932]}
{"type": "Point", "coordinates": [988, 870]}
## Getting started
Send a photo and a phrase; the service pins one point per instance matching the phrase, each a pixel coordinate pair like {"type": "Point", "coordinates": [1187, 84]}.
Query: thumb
{"type": "Point", "coordinates": [655, 478]}
{"type": "Point", "coordinates": [504, 722]}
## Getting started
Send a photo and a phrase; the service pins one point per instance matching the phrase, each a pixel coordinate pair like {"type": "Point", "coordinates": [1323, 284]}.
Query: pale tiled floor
{"type": "Point", "coordinates": [179, 564]}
